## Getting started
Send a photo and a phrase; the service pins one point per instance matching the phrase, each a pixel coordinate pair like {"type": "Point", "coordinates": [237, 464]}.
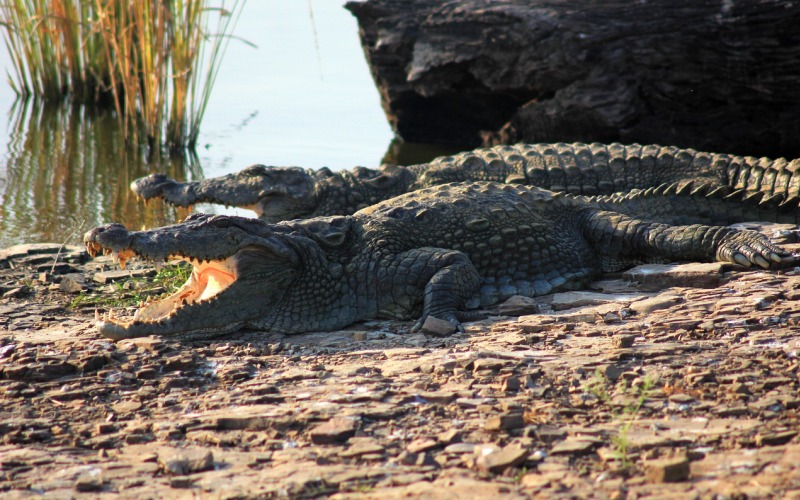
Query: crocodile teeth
{"type": "Point", "coordinates": [92, 248]}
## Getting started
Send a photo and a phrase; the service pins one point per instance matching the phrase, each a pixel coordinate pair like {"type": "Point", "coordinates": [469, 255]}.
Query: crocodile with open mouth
{"type": "Point", "coordinates": [284, 193]}
{"type": "Point", "coordinates": [433, 252]}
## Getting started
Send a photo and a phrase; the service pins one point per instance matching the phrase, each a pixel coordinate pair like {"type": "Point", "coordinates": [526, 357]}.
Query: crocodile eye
{"type": "Point", "coordinates": [254, 170]}
{"type": "Point", "coordinates": [383, 181]}
{"type": "Point", "coordinates": [330, 232]}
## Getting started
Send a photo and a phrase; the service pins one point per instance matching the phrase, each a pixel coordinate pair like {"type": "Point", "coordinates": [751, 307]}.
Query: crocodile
{"type": "Point", "coordinates": [284, 193]}
{"type": "Point", "coordinates": [436, 252]}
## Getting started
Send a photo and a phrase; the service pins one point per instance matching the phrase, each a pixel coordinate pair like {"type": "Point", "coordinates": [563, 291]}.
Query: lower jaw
{"type": "Point", "coordinates": [118, 332]}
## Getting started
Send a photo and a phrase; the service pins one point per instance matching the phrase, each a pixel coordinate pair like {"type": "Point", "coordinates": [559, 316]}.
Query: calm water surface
{"type": "Point", "coordinates": [303, 97]}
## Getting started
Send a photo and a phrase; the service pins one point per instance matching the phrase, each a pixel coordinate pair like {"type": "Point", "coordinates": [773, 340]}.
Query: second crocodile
{"type": "Point", "coordinates": [284, 193]}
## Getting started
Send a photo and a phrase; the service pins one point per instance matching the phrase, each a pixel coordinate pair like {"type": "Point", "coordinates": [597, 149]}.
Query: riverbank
{"type": "Point", "coordinates": [681, 381]}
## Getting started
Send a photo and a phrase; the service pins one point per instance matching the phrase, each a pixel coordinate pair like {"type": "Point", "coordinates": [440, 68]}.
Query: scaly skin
{"type": "Point", "coordinates": [284, 193]}
{"type": "Point", "coordinates": [433, 252]}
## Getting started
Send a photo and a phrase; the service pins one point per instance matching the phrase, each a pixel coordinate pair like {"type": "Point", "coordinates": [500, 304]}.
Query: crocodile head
{"type": "Point", "coordinates": [274, 193]}
{"type": "Point", "coordinates": [243, 270]}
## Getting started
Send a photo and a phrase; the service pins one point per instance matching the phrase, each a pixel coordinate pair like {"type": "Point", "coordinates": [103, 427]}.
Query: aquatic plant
{"type": "Point", "coordinates": [154, 61]}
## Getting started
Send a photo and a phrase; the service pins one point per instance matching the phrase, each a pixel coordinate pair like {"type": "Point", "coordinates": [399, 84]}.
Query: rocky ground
{"type": "Point", "coordinates": [667, 381]}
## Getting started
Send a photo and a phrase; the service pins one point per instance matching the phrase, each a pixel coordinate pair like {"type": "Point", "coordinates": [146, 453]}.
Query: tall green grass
{"type": "Point", "coordinates": [154, 61]}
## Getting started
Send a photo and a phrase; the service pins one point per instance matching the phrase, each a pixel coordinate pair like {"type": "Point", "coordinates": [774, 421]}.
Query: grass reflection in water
{"type": "Point", "coordinates": [68, 169]}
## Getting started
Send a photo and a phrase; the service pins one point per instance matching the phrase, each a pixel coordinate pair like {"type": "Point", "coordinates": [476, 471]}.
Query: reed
{"type": "Point", "coordinates": [154, 61]}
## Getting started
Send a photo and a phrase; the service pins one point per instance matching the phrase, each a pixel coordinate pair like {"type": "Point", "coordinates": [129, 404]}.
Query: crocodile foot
{"type": "Point", "coordinates": [749, 247]}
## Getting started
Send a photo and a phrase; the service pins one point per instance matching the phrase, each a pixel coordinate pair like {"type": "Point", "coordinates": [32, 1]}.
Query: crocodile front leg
{"type": "Point", "coordinates": [622, 241]}
{"type": "Point", "coordinates": [441, 281]}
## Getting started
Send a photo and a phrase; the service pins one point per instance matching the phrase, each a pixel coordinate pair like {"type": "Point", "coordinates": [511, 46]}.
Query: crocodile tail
{"type": "Point", "coordinates": [597, 169]}
{"type": "Point", "coordinates": [682, 203]}
{"type": "Point", "coordinates": [771, 177]}
{"type": "Point", "coordinates": [592, 169]}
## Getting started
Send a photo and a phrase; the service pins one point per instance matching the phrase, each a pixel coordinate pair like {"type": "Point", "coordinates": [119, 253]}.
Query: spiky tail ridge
{"type": "Point", "coordinates": [682, 203]}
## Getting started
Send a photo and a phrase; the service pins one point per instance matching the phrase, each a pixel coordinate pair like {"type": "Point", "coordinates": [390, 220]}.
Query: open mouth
{"type": "Point", "coordinates": [208, 280]}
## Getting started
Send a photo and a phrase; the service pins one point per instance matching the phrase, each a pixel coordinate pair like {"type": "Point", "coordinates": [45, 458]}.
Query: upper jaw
{"type": "Point", "coordinates": [200, 237]}
{"type": "Point", "coordinates": [274, 193]}
{"type": "Point", "coordinates": [177, 193]}
{"type": "Point", "coordinates": [218, 297]}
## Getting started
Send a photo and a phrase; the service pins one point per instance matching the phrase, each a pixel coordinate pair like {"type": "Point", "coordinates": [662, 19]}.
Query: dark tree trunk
{"type": "Point", "coordinates": [714, 75]}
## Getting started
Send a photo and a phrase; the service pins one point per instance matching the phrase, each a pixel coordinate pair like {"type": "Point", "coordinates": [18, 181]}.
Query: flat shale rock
{"type": "Point", "coordinates": [438, 327]}
{"type": "Point", "coordinates": [518, 305]}
{"type": "Point", "coordinates": [72, 283]}
{"type": "Point", "coordinates": [663, 301]}
{"type": "Point", "coordinates": [654, 277]}
{"type": "Point", "coordinates": [336, 430]}
{"type": "Point", "coordinates": [574, 446]}
{"type": "Point", "coordinates": [500, 460]}
{"type": "Point", "coordinates": [668, 470]}
{"type": "Point", "coordinates": [186, 462]}
{"type": "Point", "coordinates": [509, 409]}
{"type": "Point", "coordinates": [570, 300]}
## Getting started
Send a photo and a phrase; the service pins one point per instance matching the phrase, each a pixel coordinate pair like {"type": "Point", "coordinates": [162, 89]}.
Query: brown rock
{"type": "Point", "coordinates": [623, 341]}
{"type": "Point", "coordinates": [89, 481]}
{"type": "Point", "coordinates": [670, 470]}
{"type": "Point", "coordinates": [498, 461]}
{"type": "Point", "coordinates": [362, 446]}
{"type": "Point", "coordinates": [187, 462]}
{"type": "Point", "coordinates": [15, 292]}
{"type": "Point", "coordinates": [418, 459]}
{"type": "Point", "coordinates": [510, 384]}
{"type": "Point", "coordinates": [181, 482]}
{"type": "Point", "coordinates": [570, 300]}
{"type": "Point", "coordinates": [422, 444]}
{"type": "Point", "coordinates": [449, 436]}
{"type": "Point", "coordinates": [438, 397]}
{"type": "Point", "coordinates": [125, 407]}
{"type": "Point", "coordinates": [681, 398]}
{"type": "Point", "coordinates": [505, 422]}
{"type": "Point", "coordinates": [438, 327]}
{"type": "Point", "coordinates": [775, 438]}
{"type": "Point", "coordinates": [574, 446]}
{"type": "Point", "coordinates": [518, 305]}
{"type": "Point", "coordinates": [660, 276]}
{"type": "Point", "coordinates": [335, 430]}
{"type": "Point", "coordinates": [662, 301]}
{"type": "Point", "coordinates": [72, 283]}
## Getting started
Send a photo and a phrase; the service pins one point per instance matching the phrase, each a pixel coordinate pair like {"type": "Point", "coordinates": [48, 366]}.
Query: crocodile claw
{"type": "Point", "coordinates": [747, 248]}
{"type": "Point", "coordinates": [741, 260]}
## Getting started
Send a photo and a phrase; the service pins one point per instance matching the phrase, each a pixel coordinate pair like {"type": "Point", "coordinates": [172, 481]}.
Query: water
{"type": "Point", "coordinates": [303, 97]}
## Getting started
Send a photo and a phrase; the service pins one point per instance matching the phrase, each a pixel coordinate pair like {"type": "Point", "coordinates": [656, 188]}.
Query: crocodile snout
{"type": "Point", "coordinates": [151, 186]}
